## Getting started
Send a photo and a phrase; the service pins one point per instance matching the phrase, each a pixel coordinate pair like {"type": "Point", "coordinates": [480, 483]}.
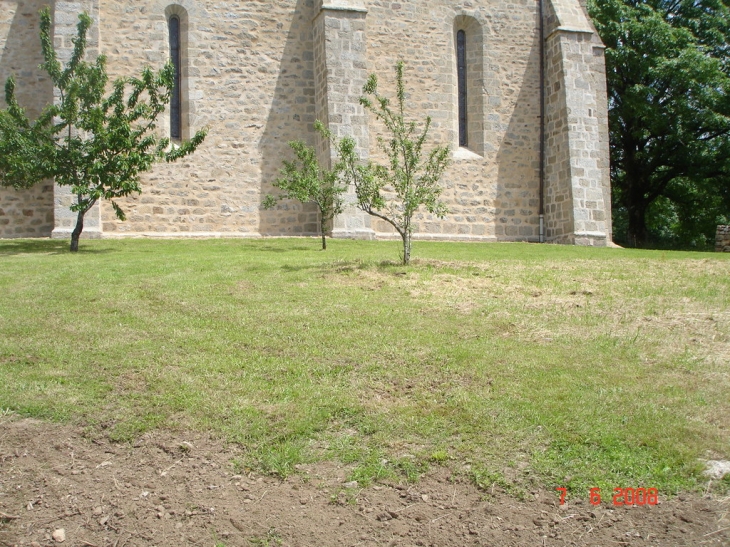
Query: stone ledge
{"type": "Point", "coordinates": [182, 235]}
{"type": "Point", "coordinates": [570, 30]}
{"type": "Point", "coordinates": [387, 236]}
{"type": "Point", "coordinates": [87, 233]}
{"type": "Point", "coordinates": [462, 153]}
{"type": "Point", "coordinates": [343, 9]}
{"type": "Point", "coordinates": [332, 7]}
{"type": "Point", "coordinates": [344, 233]}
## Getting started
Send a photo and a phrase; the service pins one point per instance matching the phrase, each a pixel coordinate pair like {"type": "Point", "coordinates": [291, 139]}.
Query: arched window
{"type": "Point", "coordinates": [471, 89]}
{"type": "Point", "coordinates": [175, 57]}
{"type": "Point", "coordinates": [462, 85]}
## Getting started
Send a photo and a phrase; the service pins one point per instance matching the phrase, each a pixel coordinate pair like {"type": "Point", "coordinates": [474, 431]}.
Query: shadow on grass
{"type": "Point", "coordinates": [43, 246]}
{"type": "Point", "coordinates": [337, 266]}
{"type": "Point", "coordinates": [385, 266]}
{"type": "Point", "coordinates": [300, 267]}
{"type": "Point", "coordinates": [273, 249]}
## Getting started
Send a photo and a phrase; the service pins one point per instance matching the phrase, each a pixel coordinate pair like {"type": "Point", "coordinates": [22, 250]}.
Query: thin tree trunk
{"type": "Point", "coordinates": [322, 223]}
{"type": "Point", "coordinates": [76, 234]}
{"type": "Point", "coordinates": [635, 198]}
{"type": "Point", "coordinates": [406, 235]}
{"type": "Point", "coordinates": [638, 234]}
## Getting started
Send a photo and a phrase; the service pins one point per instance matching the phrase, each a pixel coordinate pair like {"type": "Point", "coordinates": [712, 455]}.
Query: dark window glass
{"type": "Point", "coordinates": [175, 100]}
{"type": "Point", "coordinates": [461, 72]}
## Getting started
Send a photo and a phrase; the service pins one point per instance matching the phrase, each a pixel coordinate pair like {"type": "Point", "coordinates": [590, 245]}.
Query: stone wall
{"type": "Point", "coordinates": [252, 65]}
{"type": "Point", "coordinates": [492, 185]}
{"type": "Point", "coordinates": [26, 213]}
{"type": "Point", "coordinates": [340, 54]}
{"type": "Point", "coordinates": [65, 30]}
{"type": "Point", "coordinates": [722, 239]}
{"type": "Point", "coordinates": [257, 75]}
{"type": "Point", "coordinates": [249, 78]}
{"type": "Point", "coordinates": [577, 196]}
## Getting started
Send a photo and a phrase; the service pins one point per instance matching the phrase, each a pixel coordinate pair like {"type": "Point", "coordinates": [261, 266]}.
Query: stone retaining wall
{"type": "Point", "coordinates": [722, 239]}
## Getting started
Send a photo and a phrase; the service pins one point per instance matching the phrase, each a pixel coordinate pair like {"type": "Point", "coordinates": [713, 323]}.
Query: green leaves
{"type": "Point", "coordinates": [669, 110]}
{"type": "Point", "coordinates": [23, 154]}
{"type": "Point", "coordinates": [93, 142]}
{"type": "Point", "coordinates": [394, 192]}
{"type": "Point", "coordinates": [24, 147]}
{"type": "Point", "coordinates": [307, 181]}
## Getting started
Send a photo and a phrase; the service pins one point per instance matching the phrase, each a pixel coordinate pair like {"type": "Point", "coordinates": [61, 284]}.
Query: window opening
{"type": "Point", "coordinates": [461, 69]}
{"type": "Point", "coordinates": [175, 99]}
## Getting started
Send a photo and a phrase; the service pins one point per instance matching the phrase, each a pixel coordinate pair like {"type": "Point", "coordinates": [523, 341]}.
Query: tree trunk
{"type": "Point", "coordinates": [322, 223]}
{"type": "Point", "coordinates": [634, 198]}
{"type": "Point", "coordinates": [406, 235]}
{"type": "Point", "coordinates": [76, 234]}
{"type": "Point", "coordinates": [638, 234]}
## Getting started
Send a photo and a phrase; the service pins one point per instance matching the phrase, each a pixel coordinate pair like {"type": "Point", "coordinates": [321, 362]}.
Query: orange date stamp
{"type": "Point", "coordinates": [621, 496]}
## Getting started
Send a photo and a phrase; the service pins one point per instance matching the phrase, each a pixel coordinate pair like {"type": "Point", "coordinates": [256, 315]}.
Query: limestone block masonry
{"type": "Point", "coordinates": [722, 239]}
{"type": "Point", "coordinates": [28, 213]}
{"type": "Point", "coordinates": [258, 74]}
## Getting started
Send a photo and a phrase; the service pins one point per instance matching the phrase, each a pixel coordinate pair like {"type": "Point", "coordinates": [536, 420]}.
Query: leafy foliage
{"type": "Point", "coordinates": [23, 146]}
{"type": "Point", "coordinates": [669, 116]}
{"type": "Point", "coordinates": [394, 192]}
{"type": "Point", "coordinates": [95, 144]}
{"type": "Point", "coordinates": [307, 181]}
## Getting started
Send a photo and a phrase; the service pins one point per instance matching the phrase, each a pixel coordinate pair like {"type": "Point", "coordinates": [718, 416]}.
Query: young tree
{"type": "Point", "coordinates": [395, 191]}
{"type": "Point", "coordinates": [95, 144]}
{"type": "Point", "coordinates": [668, 75]}
{"type": "Point", "coordinates": [305, 180]}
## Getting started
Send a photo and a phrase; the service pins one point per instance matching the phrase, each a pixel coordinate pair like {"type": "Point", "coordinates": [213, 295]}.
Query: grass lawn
{"type": "Point", "coordinates": [515, 364]}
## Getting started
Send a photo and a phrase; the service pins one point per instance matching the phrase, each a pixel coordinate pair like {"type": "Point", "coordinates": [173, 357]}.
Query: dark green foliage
{"type": "Point", "coordinates": [23, 146]}
{"type": "Point", "coordinates": [668, 75]}
{"type": "Point", "coordinates": [96, 144]}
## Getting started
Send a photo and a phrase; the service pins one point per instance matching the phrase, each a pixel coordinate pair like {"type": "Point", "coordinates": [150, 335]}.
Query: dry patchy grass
{"type": "Point", "coordinates": [532, 363]}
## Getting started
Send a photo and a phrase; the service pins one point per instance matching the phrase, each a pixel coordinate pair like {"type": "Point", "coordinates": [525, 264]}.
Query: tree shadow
{"type": "Point", "coordinates": [12, 247]}
{"type": "Point", "coordinates": [272, 249]}
{"type": "Point", "coordinates": [517, 200]}
{"type": "Point", "coordinates": [291, 117]}
{"type": "Point", "coordinates": [289, 268]}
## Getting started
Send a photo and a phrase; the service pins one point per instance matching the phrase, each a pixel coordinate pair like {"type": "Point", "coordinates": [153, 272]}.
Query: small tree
{"type": "Point", "coordinates": [95, 144]}
{"type": "Point", "coordinates": [395, 191]}
{"type": "Point", "coordinates": [305, 180]}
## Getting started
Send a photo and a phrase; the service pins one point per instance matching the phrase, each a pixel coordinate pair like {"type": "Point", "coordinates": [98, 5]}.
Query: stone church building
{"type": "Point", "coordinates": [516, 88]}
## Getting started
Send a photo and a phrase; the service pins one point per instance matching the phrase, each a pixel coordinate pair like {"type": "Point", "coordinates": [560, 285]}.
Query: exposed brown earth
{"type": "Point", "coordinates": [183, 490]}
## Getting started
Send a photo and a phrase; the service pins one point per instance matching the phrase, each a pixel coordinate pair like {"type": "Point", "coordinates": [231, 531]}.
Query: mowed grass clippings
{"type": "Point", "coordinates": [519, 365]}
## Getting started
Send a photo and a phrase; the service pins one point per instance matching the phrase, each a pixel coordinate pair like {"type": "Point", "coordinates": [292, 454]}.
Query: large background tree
{"type": "Point", "coordinates": [95, 143]}
{"type": "Point", "coordinates": [668, 70]}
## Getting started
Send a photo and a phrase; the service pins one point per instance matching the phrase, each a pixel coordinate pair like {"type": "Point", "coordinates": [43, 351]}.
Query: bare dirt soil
{"type": "Point", "coordinates": [167, 490]}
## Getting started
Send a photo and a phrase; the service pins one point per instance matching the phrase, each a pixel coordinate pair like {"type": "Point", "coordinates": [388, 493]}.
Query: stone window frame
{"type": "Point", "coordinates": [179, 13]}
{"type": "Point", "coordinates": [471, 138]}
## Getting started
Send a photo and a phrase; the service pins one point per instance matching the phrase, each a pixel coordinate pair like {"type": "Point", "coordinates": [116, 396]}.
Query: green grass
{"type": "Point", "coordinates": [517, 365]}
{"type": "Point", "coordinates": [271, 539]}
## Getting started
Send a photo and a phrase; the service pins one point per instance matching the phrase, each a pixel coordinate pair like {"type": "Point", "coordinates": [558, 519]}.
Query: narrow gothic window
{"type": "Point", "coordinates": [175, 100]}
{"type": "Point", "coordinates": [461, 68]}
